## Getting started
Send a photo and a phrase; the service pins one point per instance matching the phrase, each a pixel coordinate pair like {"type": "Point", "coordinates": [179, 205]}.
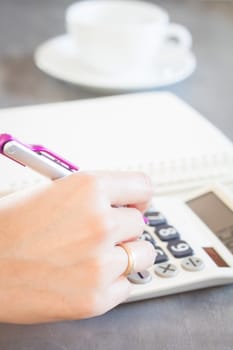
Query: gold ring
{"type": "Point", "coordinates": [131, 261]}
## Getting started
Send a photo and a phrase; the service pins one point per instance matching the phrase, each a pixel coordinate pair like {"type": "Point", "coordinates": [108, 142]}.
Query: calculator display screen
{"type": "Point", "coordinates": [216, 215]}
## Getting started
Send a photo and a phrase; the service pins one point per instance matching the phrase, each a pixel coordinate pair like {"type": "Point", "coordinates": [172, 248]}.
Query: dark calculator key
{"type": "Point", "coordinates": [167, 232]}
{"type": "Point", "coordinates": [155, 218]}
{"type": "Point", "coordinates": [161, 255]}
{"type": "Point", "coordinates": [146, 236]}
{"type": "Point", "coordinates": [180, 249]}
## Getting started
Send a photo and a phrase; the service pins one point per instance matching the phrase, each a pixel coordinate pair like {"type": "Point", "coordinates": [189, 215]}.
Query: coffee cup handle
{"type": "Point", "coordinates": [179, 35]}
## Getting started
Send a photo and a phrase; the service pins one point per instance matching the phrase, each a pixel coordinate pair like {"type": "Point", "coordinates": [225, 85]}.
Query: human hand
{"type": "Point", "coordinates": [59, 257]}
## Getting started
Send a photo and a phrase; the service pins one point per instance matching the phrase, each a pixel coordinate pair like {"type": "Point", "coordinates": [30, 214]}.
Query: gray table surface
{"type": "Point", "coordinates": [195, 320]}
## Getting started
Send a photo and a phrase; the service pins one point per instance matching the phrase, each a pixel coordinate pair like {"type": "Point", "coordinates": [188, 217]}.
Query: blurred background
{"type": "Point", "coordinates": [204, 317]}
{"type": "Point", "coordinates": [25, 24]}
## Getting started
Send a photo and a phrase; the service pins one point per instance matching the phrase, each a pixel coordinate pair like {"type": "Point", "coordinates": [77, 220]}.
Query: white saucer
{"type": "Point", "coordinates": [59, 58]}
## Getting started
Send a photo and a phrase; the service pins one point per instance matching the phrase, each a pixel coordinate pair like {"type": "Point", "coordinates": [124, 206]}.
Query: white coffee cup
{"type": "Point", "coordinates": [117, 36]}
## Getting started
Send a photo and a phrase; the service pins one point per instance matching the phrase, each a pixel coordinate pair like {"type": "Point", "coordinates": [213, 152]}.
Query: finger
{"type": "Point", "coordinates": [126, 188]}
{"type": "Point", "coordinates": [143, 256]}
{"type": "Point", "coordinates": [111, 296]}
{"type": "Point", "coordinates": [117, 259]}
{"type": "Point", "coordinates": [129, 224]}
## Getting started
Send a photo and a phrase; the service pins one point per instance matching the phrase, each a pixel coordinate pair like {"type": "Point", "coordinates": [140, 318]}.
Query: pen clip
{"type": "Point", "coordinates": [43, 151]}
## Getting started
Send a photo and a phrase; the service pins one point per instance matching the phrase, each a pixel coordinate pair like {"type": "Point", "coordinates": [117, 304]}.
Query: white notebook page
{"type": "Point", "coordinates": [154, 132]}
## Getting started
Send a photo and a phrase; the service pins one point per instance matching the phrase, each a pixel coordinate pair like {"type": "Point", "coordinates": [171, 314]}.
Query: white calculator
{"type": "Point", "coordinates": [194, 243]}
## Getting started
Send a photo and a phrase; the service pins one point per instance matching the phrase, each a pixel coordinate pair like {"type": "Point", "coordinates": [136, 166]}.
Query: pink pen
{"type": "Point", "coordinates": [38, 158]}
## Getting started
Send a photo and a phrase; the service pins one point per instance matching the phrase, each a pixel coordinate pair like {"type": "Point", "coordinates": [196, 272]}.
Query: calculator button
{"type": "Point", "coordinates": [142, 277]}
{"type": "Point", "coordinates": [166, 269]}
{"type": "Point", "coordinates": [180, 249]}
{"type": "Point", "coordinates": [155, 218]}
{"type": "Point", "coordinates": [192, 263]}
{"type": "Point", "coordinates": [161, 256]}
{"type": "Point", "coordinates": [146, 236]}
{"type": "Point", "coordinates": [167, 232]}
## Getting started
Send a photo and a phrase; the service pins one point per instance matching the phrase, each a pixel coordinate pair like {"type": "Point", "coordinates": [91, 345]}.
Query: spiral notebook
{"type": "Point", "coordinates": [156, 133]}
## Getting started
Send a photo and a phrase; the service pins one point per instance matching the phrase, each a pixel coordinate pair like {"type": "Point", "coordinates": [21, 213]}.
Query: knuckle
{"type": "Point", "coordinates": [88, 181]}
{"type": "Point", "coordinates": [81, 184]}
{"type": "Point", "coordinates": [109, 224]}
{"type": "Point", "coordinates": [104, 224]}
